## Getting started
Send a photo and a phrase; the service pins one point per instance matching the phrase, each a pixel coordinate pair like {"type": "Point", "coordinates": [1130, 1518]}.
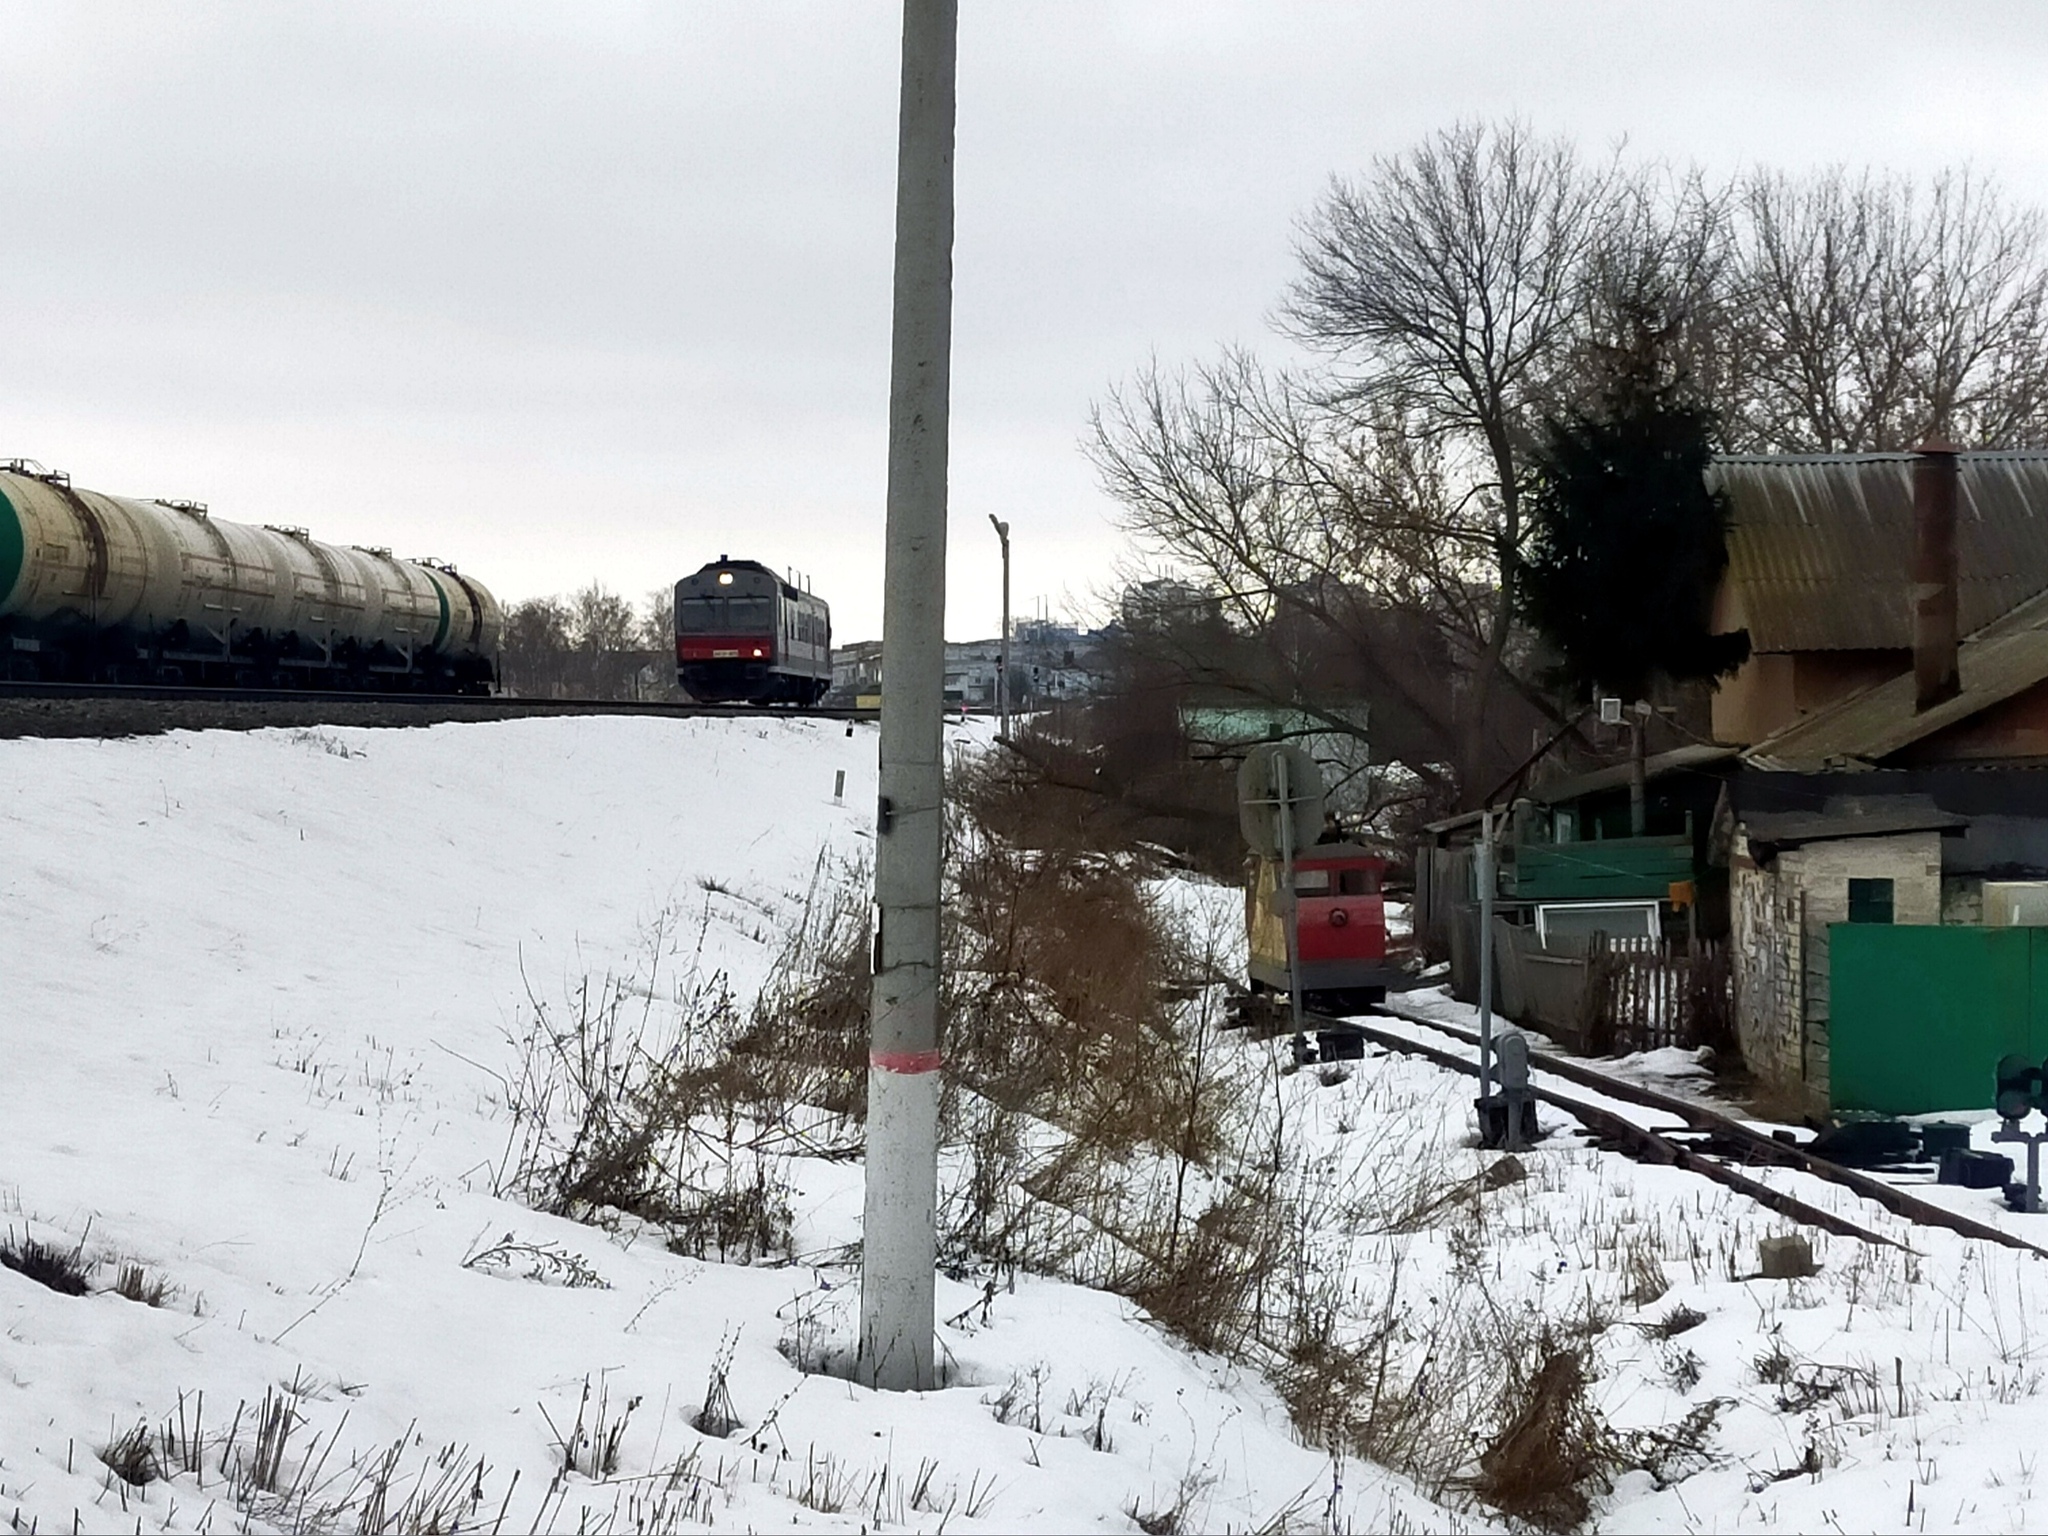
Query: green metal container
{"type": "Point", "coordinates": [1919, 1015]}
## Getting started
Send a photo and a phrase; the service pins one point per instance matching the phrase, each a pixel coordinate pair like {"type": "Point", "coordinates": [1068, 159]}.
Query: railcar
{"type": "Point", "coordinates": [113, 589]}
{"type": "Point", "coordinates": [1340, 924]}
{"type": "Point", "coordinates": [744, 635]}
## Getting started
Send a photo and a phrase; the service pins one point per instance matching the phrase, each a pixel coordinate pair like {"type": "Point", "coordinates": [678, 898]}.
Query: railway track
{"type": "Point", "coordinates": [1708, 1143]}
{"type": "Point", "coordinates": [109, 709]}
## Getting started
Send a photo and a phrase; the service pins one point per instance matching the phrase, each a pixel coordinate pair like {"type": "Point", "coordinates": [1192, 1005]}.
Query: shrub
{"type": "Point", "coordinates": [1536, 1468]}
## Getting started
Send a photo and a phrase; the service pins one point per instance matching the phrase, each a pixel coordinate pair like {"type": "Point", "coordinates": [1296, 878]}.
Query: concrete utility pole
{"type": "Point", "coordinates": [899, 1245]}
{"type": "Point", "coordinates": [1003, 677]}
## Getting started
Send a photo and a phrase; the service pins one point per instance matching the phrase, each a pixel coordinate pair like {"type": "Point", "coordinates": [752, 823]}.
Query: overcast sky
{"type": "Point", "coordinates": [573, 291]}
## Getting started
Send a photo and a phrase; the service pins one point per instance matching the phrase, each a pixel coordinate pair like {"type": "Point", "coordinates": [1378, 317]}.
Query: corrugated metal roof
{"type": "Point", "coordinates": [2003, 658]}
{"type": "Point", "coordinates": [1820, 546]}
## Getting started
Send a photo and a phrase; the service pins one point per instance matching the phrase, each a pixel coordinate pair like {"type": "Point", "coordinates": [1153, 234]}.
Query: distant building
{"type": "Point", "coordinates": [1048, 661]}
{"type": "Point", "coordinates": [1167, 600]}
{"type": "Point", "coordinates": [856, 673]}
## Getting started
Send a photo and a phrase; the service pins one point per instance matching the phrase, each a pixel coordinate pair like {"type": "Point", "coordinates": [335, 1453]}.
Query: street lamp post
{"type": "Point", "coordinates": [1003, 676]}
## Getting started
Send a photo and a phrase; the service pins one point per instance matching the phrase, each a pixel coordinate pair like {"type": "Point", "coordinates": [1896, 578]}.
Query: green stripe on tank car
{"type": "Point", "coordinates": [13, 549]}
{"type": "Point", "coordinates": [441, 634]}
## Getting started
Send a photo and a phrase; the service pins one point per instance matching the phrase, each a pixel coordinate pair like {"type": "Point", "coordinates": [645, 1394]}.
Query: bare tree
{"type": "Point", "coordinates": [1880, 313]}
{"type": "Point", "coordinates": [535, 651]}
{"type": "Point", "coordinates": [603, 629]}
{"type": "Point", "coordinates": [1666, 266]}
{"type": "Point", "coordinates": [1307, 529]}
{"type": "Point", "coordinates": [1467, 290]}
{"type": "Point", "coordinates": [657, 622]}
{"type": "Point", "coordinates": [1451, 283]}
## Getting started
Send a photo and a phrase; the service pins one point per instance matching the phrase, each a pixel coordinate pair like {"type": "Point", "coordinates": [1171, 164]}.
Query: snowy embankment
{"type": "Point", "coordinates": [256, 994]}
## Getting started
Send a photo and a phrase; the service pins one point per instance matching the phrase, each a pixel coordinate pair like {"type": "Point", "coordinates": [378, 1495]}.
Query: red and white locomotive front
{"type": "Point", "coordinates": [744, 635]}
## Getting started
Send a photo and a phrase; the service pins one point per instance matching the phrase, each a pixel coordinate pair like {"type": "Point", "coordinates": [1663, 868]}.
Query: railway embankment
{"type": "Point", "coordinates": [52, 711]}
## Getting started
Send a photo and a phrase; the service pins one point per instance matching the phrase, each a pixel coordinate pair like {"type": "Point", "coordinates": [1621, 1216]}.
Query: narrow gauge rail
{"type": "Point", "coordinates": [1711, 1145]}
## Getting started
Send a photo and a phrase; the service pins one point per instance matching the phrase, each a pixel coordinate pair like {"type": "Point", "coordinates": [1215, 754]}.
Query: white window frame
{"type": "Point", "coordinates": [1648, 911]}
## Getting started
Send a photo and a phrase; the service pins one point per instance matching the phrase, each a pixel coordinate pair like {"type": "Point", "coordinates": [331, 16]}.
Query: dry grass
{"type": "Point", "coordinates": [1100, 1130]}
{"type": "Point", "coordinates": [1538, 1467]}
{"type": "Point", "coordinates": [589, 1447]}
{"type": "Point", "coordinates": [138, 1284]}
{"type": "Point", "coordinates": [270, 1466]}
{"type": "Point", "coordinates": [61, 1271]}
{"type": "Point", "coordinates": [660, 1104]}
{"type": "Point", "coordinates": [132, 1457]}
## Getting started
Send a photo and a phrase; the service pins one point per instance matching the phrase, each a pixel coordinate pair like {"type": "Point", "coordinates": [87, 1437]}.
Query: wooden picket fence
{"type": "Point", "coordinates": [1643, 994]}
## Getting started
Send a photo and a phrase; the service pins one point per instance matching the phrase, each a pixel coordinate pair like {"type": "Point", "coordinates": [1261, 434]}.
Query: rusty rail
{"type": "Point", "coordinates": [1653, 1146]}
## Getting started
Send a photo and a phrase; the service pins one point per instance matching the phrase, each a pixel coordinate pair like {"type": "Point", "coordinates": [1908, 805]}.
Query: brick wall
{"type": "Point", "coordinates": [1780, 916]}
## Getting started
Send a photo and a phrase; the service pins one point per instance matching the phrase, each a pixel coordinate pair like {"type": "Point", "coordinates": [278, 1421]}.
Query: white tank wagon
{"type": "Point", "coordinates": [98, 588]}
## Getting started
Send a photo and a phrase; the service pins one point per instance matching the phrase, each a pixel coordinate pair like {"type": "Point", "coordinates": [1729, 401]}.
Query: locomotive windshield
{"type": "Point", "coordinates": [726, 615]}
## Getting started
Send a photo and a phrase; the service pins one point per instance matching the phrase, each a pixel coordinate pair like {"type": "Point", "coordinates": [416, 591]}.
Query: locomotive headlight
{"type": "Point", "coordinates": [725, 578]}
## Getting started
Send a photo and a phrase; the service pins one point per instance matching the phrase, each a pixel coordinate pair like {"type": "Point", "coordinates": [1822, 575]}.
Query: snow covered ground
{"type": "Point", "coordinates": [258, 991]}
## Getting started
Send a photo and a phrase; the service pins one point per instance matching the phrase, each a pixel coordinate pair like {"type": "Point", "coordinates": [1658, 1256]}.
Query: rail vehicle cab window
{"type": "Point", "coordinates": [1312, 882]}
{"type": "Point", "coordinates": [1358, 882]}
{"type": "Point", "coordinates": [726, 615]}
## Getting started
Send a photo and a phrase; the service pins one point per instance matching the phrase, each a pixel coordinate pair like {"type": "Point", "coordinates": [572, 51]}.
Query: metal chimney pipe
{"type": "Point", "coordinates": [1935, 676]}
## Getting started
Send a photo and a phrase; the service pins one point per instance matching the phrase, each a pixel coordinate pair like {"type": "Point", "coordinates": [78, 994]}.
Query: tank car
{"type": "Point", "coordinates": [1340, 929]}
{"type": "Point", "coordinates": [744, 635]}
{"type": "Point", "coordinates": [97, 588]}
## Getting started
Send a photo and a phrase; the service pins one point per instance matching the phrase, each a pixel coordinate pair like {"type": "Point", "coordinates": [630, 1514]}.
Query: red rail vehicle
{"type": "Point", "coordinates": [1340, 926]}
{"type": "Point", "coordinates": [744, 635]}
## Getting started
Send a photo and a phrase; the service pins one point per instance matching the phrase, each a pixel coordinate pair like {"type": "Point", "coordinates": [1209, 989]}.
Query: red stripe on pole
{"type": "Point", "coordinates": [907, 1061]}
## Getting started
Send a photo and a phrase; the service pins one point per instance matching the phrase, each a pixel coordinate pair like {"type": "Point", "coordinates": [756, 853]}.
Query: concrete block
{"type": "Point", "coordinates": [1786, 1258]}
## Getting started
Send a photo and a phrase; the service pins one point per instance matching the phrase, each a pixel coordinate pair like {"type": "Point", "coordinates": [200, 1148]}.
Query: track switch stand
{"type": "Point", "coordinates": [2020, 1084]}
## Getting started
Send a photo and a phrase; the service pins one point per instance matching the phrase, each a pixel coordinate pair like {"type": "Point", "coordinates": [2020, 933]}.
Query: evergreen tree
{"type": "Point", "coordinates": [1628, 542]}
